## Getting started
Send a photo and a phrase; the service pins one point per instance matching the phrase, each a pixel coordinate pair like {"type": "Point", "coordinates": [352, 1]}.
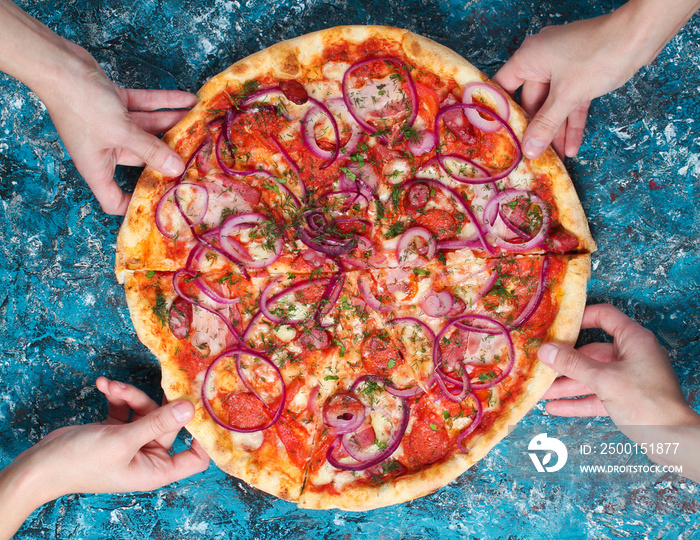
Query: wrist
{"type": "Point", "coordinates": [650, 24]}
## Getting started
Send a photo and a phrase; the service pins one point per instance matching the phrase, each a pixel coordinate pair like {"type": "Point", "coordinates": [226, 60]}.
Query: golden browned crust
{"type": "Point", "coordinates": [141, 247]}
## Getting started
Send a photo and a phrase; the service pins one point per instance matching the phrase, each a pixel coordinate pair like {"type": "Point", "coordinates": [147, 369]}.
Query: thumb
{"type": "Point", "coordinates": [166, 419]}
{"type": "Point", "coordinates": [154, 152]}
{"type": "Point", "coordinates": [570, 362]}
{"type": "Point", "coordinates": [544, 127]}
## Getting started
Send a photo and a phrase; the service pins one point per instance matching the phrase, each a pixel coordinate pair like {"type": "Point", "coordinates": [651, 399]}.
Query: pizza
{"type": "Point", "coordinates": [352, 277]}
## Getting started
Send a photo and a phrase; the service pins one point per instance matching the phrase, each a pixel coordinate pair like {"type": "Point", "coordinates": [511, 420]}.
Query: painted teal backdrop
{"type": "Point", "coordinates": [63, 319]}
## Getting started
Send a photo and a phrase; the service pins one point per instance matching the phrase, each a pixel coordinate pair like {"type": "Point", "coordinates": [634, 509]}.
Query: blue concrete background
{"type": "Point", "coordinates": [63, 319]}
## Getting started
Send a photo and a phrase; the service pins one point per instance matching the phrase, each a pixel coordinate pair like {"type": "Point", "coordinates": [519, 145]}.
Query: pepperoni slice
{"type": "Point", "coordinates": [417, 197]}
{"type": "Point", "coordinates": [428, 440]}
{"type": "Point", "coordinates": [180, 318]}
{"type": "Point", "coordinates": [379, 354]}
{"type": "Point", "coordinates": [439, 222]}
{"type": "Point", "coordinates": [244, 410]}
{"type": "Point", "coordinates": [294, 91]}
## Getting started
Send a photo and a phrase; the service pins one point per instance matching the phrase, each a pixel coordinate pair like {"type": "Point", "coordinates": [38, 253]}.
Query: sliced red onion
{"type": "Point", "coordinates": [491, 213]}
{"type": "Point", "coordinates": [329, 298]}
{"type": "Point", "coordinates": [468, 173]}
{"type": "Point", "coordinates": [409, 392]}
{"type": "Point", "coordinates": [292, 165]}
{"type": "Point", "coordinates": [535, 300]}
{"type": "Point", "coordinates": [491, 94]}
{"type": "Point", "coordinates": [475, 423]}
{"type": "Point", "coordinates": [464, 385]}
{"type": "Point", "coordinates": [487, 286]}
{"type": "Point", "coordinates": [255, 99]}
{"type": "Point", "coordinates": [172, 194]}
{"type": "Point", "coordinates": [344, 420]}
{"type": "Point", "coordinates": [208, 291]}
{"type": "Point", "coordinates": [326, 244]}
{"type": "Point", "coordinates": [425, 142]}
{"type": "Point", "coordinates": [496, 328]}
{"type": "Point", "coordinates": [368, 457]}
{"type": "Point", "coordinates": [352, 105]}
{"type": "Point", "coordinates": [459, 244]}
{"type": "Point", "coordinates": [308, 135]}
{"type": "Point", "coordinates": [338, 108]}
{"type": "Point", "coordinates": [193, 275]}
{"type": "Point", "coordinates": [454, 194]}
{"type": "Point", "coordinates": [266, 301]}
{"type": "Point", "coordinates": [238, 353]}
{"type": "Point", "coordinates": [479, 109]}
{"type": "Point", "coordinates": [403, 247]}
{"type": "Point", "coordinates": [368, 295]}
{"type": "Point", "coordinates": [436, 304]}
{"type": "Point", "coordinates": [233, 248]}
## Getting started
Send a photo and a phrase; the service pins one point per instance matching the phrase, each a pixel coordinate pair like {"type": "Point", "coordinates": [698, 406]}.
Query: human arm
{"type": "Point", "coordinates": [562, 68]}
{"type": "Point", "coordinates": [100, 124]}
{"type": "Point", "coordinates": [113, 456]}
{"type": "Point", "coordinates": [631, 380]}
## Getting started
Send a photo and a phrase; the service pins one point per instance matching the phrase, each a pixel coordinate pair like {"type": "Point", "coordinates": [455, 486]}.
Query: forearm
{"type": "Point", "coordinates": [20, 495]}
{"type": "Point", "coordinates": [651, 24]}
{"type": "Point", "coordinates": [33, 54]}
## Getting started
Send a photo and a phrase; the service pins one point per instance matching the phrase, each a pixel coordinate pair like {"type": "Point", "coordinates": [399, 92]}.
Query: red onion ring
{"type": "Point", "coordinates": [482, 176]}
{"type": "Point", "coordinates": [479, 109]}
{"type": "Point", "coordinates": [329, 298]}
{"type": "Point", "coordinates": [368, 295]}
{"type": "Point", "coordinates": [436, 304]}
{"type": "Point", "coordinates": [407, 239]}
{"type": "Point", "coordinates": [338, 424]}
{"type": "Point", "coordinates": [424, 143]}
{"type": "Point", "coordinates": [411, 89]}
{"type": "Point", "coordinates": [239, 353]}
{"type": "Point", "coordinates": [266, 302]}
{"type": "Point", "coordinates": [535, 300]}
{"type": "Point", "coordinates": [499, 99]}
{"type": "Point", "coordinates": [338, 108]}
{"type": "Point", "coordinates": [309, 137]}
{"type": "Point", "coordinates": [172, 192]}
{"type": "Point", "coordinates": [491, 213]}
{"type": "Point", "coordinates": [233, 248]}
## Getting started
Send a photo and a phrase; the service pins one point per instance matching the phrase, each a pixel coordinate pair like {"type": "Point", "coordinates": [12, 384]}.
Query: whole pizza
{"type": "Point", "coordinates": [352, 277]}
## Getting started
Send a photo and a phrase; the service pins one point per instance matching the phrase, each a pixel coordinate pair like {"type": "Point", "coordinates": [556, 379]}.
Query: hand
{"type": "Point", "coordinates": [561, 70]}
{"type": "Point", "coordinates": [630, 379]}
{"type": "Point", "coordinates": [119, 455]}
{"type": "Point", "coordinates": [102, 125]}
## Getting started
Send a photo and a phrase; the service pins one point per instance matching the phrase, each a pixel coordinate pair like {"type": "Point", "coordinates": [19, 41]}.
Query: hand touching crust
{"type": "Point", "coordinates": [102, 125]}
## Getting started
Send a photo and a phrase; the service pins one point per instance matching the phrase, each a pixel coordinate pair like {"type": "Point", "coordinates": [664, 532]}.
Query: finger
{"type": "Point", "coordinates": [151, 100]}
{"type": "Point", "coordinates": [110, 196]}
{"type": "Point", "coordinates": [123, 398]}
{"type": "Point", "coordinates": [533, 96]}
{"type": "Point", "coordinates": [129, 159]}
{"type": "Point", "coordinates": [587, 406]}
{"type": "Point", "coordinates": [572, 363]}
{"type": "Point", "coordinates": [508, 76]}
{"type": "Point", "coordinates": [612, 320]}
{"type": "Point", "coordinates": [153, 152]}
{"type": "Point", "coordinates": [545, 125]}
{"type": "Point", "coordinates": [165, 420]}
{"type": "Point", "coordinates": [602, 352]}
{"type": "Point", "coordinates": [157, 122]}
{"type": "Point", "coordinates": [559, 141]}
{"type": "Point", "coordinates": [564, 387]}
{"type": "Point", "coordinates": [575, 125]}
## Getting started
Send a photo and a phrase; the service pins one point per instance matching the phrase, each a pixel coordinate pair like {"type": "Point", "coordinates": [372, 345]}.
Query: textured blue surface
{"type": "Point", "coordinates": [63, 319]}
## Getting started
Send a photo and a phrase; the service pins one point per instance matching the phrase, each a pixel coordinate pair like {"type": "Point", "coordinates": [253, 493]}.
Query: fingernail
{"type": "Point", "coordinates": [172, 166]}
{"type": "Point", "coordinates": [533, 148]}
{"type": "Point", "coordinates": [547, 353]}
{"type": "Point", "coordinates": [182, 412]}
